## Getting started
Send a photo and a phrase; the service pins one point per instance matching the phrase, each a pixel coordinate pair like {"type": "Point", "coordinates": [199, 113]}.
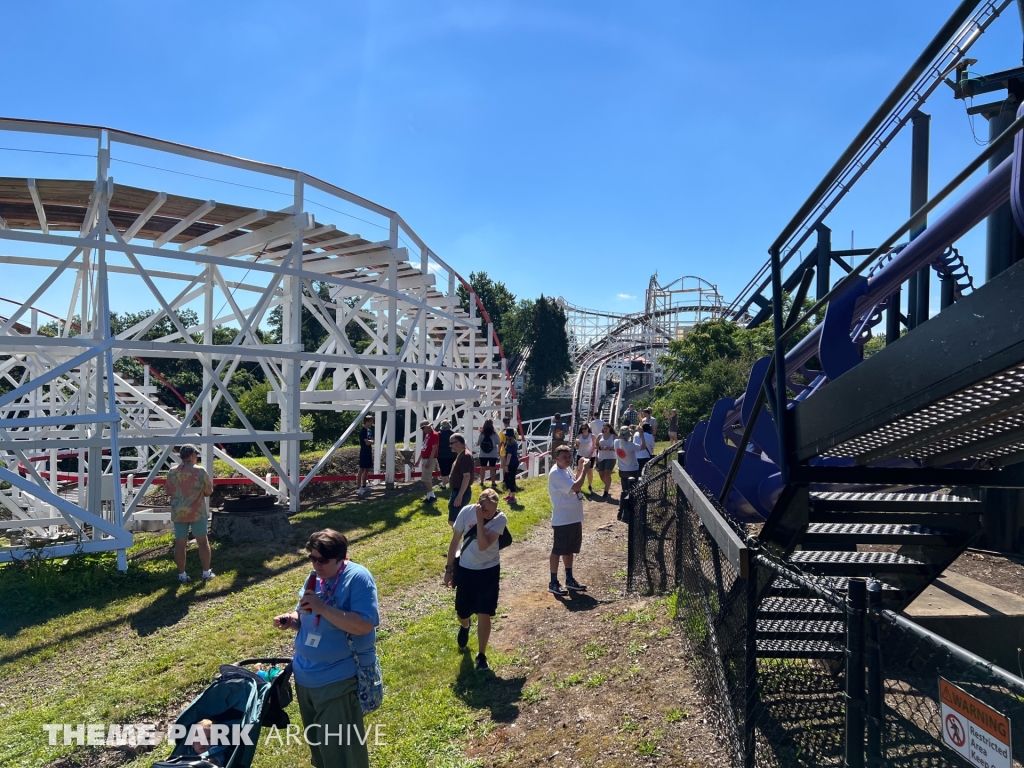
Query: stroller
{"type": "Point", "coordinates": [237, 696]}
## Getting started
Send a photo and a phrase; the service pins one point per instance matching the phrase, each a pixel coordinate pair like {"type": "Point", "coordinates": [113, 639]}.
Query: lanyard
{"type": "Point", "coordinates": [328, 594]}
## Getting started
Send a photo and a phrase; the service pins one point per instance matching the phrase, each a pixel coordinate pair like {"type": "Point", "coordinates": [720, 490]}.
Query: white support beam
{"type": "Point", "coordinates": [40, 213]}
{"type": "Point", "coordinates": [145, 216]}
{"type": "Point", "coordinates": [259, 238]}
{"type": "Point", "coordinates": [213, 234]}
{"type": "Point", "coordinates": [184, 224]}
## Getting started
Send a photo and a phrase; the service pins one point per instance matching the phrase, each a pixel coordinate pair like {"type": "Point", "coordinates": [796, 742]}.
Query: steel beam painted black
{"type": "Point", "coordinates": [1009, 477]}
{"type": "Point", "coordinates": [824, 261]}
{"type": "Point", "coordinates": [921, 282]}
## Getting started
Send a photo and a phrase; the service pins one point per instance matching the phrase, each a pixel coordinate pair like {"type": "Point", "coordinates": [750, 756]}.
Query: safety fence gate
{"type": "Point", "coordinates": [799, 671]}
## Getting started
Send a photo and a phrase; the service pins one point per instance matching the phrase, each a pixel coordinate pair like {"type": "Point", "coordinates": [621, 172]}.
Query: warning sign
{"type": "Point", "coordinates": [975, 730]}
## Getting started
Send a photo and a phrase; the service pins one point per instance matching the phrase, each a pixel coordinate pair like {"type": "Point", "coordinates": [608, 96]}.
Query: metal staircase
{"type": "Point", "coordinates": [942, 408]}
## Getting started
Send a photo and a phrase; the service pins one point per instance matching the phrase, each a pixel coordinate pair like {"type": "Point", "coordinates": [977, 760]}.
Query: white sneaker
{"type": "Point", "coordinates": [207, 575]}
{"type": "Point", "coordinates": [183, 578]}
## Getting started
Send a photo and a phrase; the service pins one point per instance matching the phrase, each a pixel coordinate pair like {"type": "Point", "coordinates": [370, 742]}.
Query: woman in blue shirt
{"type": "Point", "coordinates": [338, 604]}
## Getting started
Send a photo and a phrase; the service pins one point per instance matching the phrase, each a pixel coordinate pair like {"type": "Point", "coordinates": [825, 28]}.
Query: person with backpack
{"type": "Point", "coordinates": [558, 433]}
{"type": "Point", "coordinates": [510, 442]}
{"type": "Point", "coordinates": [487, 443]}
{"type": "Point", "coordinates": [474, 569]}
{"type": "Point", "coordinates": [335, 662]}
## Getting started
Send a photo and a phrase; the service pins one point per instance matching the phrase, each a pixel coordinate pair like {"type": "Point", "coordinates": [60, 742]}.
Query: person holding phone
{"type": "Point", "coordinates": [474, 569]}
{"type": "Point", "coordinates": [566, 495]}
{"type": "Point", "coordinates": [337, 615]}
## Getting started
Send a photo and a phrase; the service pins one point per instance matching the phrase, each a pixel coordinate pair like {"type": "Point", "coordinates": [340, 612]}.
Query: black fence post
{"type": "Point", "coordinates": [750, 673]}
{"type": "Point", "coordinates": [856, 605]}
{"type": "Point", "coordinates": [875, 694]}
{"type": "Point", "coordinates": [626, 515]}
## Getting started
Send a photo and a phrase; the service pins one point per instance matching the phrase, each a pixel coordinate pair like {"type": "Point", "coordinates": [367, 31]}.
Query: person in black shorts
{"type": "Point", "coordinates": [365, 455]}
{"type": "Point", "coordinates": [474, 569]}
{"type": "Point", "coordinates": [510, 440]}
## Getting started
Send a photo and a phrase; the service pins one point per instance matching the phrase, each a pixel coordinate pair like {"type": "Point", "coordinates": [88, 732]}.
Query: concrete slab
{"type": "Point", "coordinates": [979, 617]}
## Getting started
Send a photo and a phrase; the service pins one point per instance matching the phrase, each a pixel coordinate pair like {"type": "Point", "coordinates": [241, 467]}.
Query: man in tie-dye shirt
{"type": "Point", "coordinates": [189, 486]}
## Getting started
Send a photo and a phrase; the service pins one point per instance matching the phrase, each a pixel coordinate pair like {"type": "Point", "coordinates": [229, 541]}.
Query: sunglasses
{"type": "Point", "coordinates": [319, 560]}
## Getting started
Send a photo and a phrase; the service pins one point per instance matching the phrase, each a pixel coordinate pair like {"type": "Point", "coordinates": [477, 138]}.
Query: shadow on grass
{"type": "Point", "coordinates": [485, 690]}
{"type": "Point", "coordinates": [45, 590]}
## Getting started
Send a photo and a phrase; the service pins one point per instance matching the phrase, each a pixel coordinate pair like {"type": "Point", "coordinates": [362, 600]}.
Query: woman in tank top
{"type": "Point", "coordinates": [586, 447]}
{"type": "Point", "coordinates": [606, 458]}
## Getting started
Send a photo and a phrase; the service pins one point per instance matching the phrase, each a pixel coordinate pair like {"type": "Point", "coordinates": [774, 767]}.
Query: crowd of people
{"type": "Point", "coordinates": [337, 613]}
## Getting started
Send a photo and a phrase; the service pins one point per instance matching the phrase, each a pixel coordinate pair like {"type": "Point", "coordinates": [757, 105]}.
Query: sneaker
{"type": "Point", "coordinates": [574, 585]}
{"type": "Point", "coordinates": [508, 497]}
{"type": "Point", "coordinates": [590, 490]}
{"type": "Point", "coordinates": [430, 499]}
{"type": "Point", "coordinates": [207, 575]}
{"type": "Point", "coordinates": [607, 495]}
{"type": "Point", "coordinates": [481, 662]}
{"type": "Point", "coordinates": [557, 589]}
{"type": "Point", "coordinates": [463, 638]}
{"type": "Point", "coordinates": [183, 578]}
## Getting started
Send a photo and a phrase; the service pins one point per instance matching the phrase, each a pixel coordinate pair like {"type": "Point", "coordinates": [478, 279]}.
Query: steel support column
{"type": "Point", "coordinates": [1004, 508]}
{"type": "Point", "coordinates": [824, 261]}
{"type": "Point", "coordinates": [920, 284]}
{"type": "Point", "coordinates": [856, 609]}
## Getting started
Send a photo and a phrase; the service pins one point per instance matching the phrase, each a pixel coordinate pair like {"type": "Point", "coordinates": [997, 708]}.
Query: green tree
{"type": "Point", "coordinates": [707, 341]}
{"type": "Point", "coordinates": [516, 328]}
{"type": "Point", "coordinates": [497, 299]}
{"type": "Point", "coordinates": [549, 362]}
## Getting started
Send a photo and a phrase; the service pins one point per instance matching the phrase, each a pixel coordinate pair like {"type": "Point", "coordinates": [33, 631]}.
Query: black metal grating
{"type": "Point", "coordinates": [872, 529]}
{"type": "Point", "coordinates": [868, 498]}
{"type": "Point", "coordinates": [1002, 393]}
{"type": "Point", "coordinates": [814, 557]}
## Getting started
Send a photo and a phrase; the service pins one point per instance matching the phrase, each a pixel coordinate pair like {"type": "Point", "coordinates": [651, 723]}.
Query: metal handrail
{"type": "Point", "coordinates": [966, 173]}
{"type": "Point", "coordinates": [948, 47]}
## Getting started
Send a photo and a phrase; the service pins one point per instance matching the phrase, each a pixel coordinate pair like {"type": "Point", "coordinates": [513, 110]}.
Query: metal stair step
{"type": "Point", "coordinates": [837, 584]}
{"type": "Point", "coordinates": [879, 533]}
{"type": "Point", "coordinates": [799, 649]}
{"type": "Point", "coordinates": [856, 563]}
{"type": "Point", "coordinates": [801, 629]}
{"type": "Point", "coordinates": [956, 522]}
{"type": "Point", "coordinates": [848, 501]}
{"type": "Point", "coordinates": [777, 607]}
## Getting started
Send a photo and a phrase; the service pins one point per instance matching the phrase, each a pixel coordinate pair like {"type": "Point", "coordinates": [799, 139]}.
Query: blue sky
{"type": "Point", "coordinates": [568, 148]}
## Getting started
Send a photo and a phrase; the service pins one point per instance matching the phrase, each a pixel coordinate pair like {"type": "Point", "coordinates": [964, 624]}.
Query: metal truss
{"type": "Point", "coordinates": [84, 243]}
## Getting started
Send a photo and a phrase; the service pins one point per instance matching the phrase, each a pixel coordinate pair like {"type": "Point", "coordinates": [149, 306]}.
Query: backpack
{"type": "Point", "coordinates": [487, 444]}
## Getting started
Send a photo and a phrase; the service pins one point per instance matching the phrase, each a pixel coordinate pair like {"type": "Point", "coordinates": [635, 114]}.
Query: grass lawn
{"type": "Point", "coordinates": [80, 643]}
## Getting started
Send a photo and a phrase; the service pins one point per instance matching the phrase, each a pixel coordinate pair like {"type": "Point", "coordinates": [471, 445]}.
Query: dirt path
{"type": "Point", "coordinates": [606, 684]}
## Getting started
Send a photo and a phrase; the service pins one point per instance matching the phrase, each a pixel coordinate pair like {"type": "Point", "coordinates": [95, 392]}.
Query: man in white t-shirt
{"type": "Point", "coordinates": [476, 574]}
{"type": "Point", "coordinates": [596, 425]}
{"type": "Point", "coordinates": [566, 517]}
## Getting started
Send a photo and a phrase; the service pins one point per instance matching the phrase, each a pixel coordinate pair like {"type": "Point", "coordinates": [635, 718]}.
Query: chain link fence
{"type": "Point", "coordinates": [904, 713]}
{"type": "Point", "coordinates": [772, 648]}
